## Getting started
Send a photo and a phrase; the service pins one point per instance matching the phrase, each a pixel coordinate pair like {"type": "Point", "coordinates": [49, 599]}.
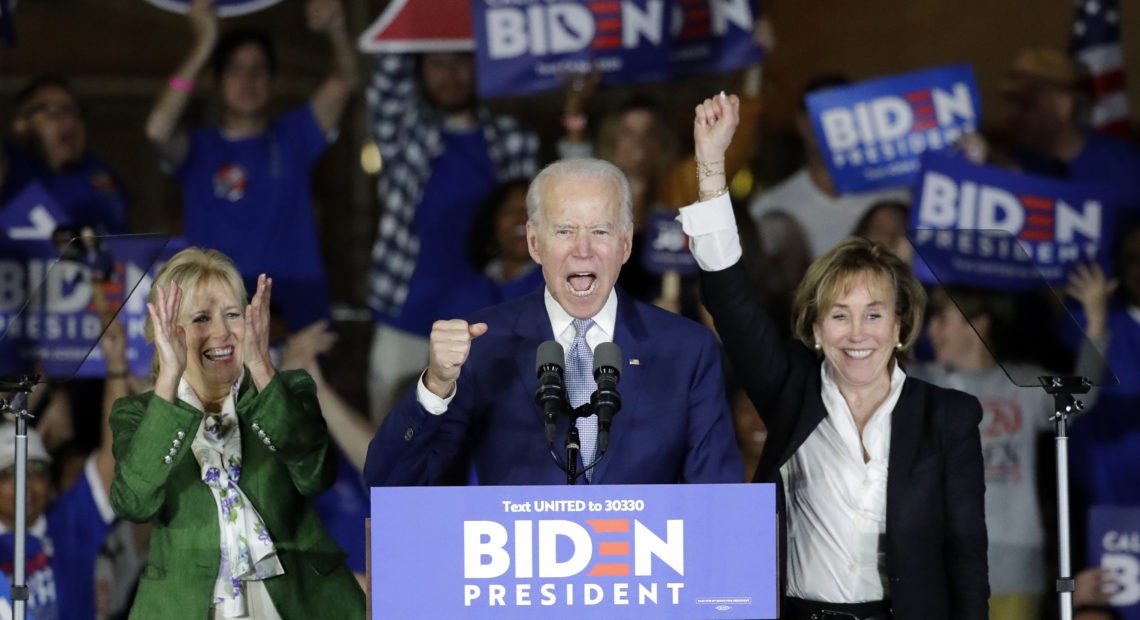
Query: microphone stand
{"type": "Point", "coordinates": [1064, 405]}
{"type": "Point", "coordinates": [17, 406]}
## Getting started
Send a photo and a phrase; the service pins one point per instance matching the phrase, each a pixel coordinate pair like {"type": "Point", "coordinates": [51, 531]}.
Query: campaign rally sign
{"type": "Point", "coordinates": [224, 8]}
{"type": "Point", "coordinates": [666, 247]}
{"type": "Point", "coordinates": [712, 36]}
{"type": "Point", "coordinates": [1114, 545]}
{"type": "Point", "coordinates": [991, 228]}
{"type": "Point", "coordinates": [414, 26]}
{"type": "Point", "coordinates": [574, 552]}
{"type": "Point", "coordinates": [53, 291]}
{"type": "Point", "coordinates": [873, 133]}
{"type": "Point", "coordinates": [528, 46]}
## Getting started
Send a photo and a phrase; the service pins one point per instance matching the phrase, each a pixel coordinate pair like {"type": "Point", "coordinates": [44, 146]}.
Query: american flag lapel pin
{"type": "Point", "coordinates": [633, 361]}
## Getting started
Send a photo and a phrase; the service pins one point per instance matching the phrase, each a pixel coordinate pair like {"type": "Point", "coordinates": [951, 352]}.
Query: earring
{"type": "Point", "coordinates": [898, 346]}
{"type": "Point", "coordinates": [818, 346]}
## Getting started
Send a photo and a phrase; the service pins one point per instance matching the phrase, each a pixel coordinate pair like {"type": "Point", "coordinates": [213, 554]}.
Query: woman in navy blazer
{"type": "Point", "coordinates": [907, 537]}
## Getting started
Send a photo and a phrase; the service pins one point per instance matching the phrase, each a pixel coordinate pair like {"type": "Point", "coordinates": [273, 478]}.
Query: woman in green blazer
{"type": "Point", "coordinates": [223, 458]}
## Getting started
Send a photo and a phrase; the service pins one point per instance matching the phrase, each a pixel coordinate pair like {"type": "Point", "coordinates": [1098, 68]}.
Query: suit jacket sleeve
{"type": "Point", "coordinates": [413, 446]}
{"type": "Point", "coordinates": [966, 540]}
{"type": "Point", "coordinates": [712, 456]}
{"type": "Point", "coordinates": [150, 438]}
{"type": "Point", "coordinates": [287, 417]}
{"type": "Point", "coordinates": [767, 366]}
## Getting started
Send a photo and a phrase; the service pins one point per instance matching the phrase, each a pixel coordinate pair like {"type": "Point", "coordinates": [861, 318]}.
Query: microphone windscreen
{"type": "Point", "coordinates": [549, 352]}
{"type": "Point", "coordinates": [607, 354]}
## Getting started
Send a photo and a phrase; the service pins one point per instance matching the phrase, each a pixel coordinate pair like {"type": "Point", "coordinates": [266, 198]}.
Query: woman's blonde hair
{"type": "Point", "coordinates": [190, 268]}
{"type": "Point", "coordinates": [834, 273]}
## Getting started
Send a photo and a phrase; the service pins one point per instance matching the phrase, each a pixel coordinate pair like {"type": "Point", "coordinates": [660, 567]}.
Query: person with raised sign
{"type": "Point", "coordinates": [246, 183]}
{"type": "Point", "coordinates": [478, 391]}
{"type": "Point", "coordinates": [223, 458]}
{"type": "Point", "coordinates": [442, 153]}
{"type": "Point", "coordinates": [882, 499]}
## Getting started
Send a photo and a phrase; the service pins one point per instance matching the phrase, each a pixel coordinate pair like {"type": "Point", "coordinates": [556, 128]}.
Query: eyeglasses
{"type": "Point", "coordinates": [52, 110]}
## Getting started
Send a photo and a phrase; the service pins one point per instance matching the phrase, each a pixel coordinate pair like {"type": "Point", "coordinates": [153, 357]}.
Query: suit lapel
{"type": "Point", "coordinates": [632, 336]}
{"type": "Point", "coordinates": [906, 428]}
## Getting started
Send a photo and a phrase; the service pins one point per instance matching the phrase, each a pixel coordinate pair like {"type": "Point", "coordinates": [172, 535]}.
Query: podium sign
{"type": "Point", "coordinates": [580, 552]}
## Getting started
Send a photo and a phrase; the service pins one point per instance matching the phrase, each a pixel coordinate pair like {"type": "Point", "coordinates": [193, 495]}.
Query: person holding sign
{"type": "Point", "coordinates": [223, 458]}
{"type": "Point", "coordinates": [443, 153]}
{"type": "Point", "coordinates": [246, 186]}
{"type": "Point", "coordinates": [477, 393]}
{"type": "Point", "coordinates": [883, 502]}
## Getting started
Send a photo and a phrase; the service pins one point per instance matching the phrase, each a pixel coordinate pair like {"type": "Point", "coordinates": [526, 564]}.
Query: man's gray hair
{"type": "Point", "coordinates": [584, 169]}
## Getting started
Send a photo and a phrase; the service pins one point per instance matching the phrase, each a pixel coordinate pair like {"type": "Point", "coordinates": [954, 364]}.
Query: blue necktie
{"type": "Point", "coordinates": [580, 386]}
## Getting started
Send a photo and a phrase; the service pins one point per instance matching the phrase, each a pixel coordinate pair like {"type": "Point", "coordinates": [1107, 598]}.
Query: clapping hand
{"type": "Point", "coordinates": [255, 337]}
{"type": "Point", "coordinates": [169, 339]}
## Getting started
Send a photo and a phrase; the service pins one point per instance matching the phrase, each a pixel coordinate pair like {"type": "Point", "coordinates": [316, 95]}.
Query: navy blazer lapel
{"type": "Point", "coordinates": [906, 430]}
{"type": "Point", "coordinates": [633, 337]}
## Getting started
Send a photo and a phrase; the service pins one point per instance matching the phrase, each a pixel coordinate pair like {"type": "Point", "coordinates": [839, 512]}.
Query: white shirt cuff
{"type": "Point", "coordinates": [429, 401]}
{"type": "Point", "coordinates": [713, 238]}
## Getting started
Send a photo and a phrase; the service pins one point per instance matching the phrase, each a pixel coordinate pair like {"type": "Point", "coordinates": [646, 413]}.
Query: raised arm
{"type": "Point", "coordinates": [162, 125]}
{"type": "Point", "coordinates": [348, 427]}
{"type": "Point", "coordinates": [331, 99]}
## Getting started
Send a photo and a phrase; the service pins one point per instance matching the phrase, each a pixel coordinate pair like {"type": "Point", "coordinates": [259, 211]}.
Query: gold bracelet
{"type": "Point", "coordinates": [717, 194]}
{"type": "Point", "coordinates": [705, 171]}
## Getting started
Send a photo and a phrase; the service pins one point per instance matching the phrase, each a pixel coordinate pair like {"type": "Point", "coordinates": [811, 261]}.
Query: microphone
{"type": "Point", "coordinates": [606, 400]}
{"type": "Point", "coordinates": [551, 393]}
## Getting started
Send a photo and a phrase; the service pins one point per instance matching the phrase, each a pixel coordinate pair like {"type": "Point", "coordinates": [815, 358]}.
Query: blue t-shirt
{"type": "Point", "coordinates": [461, 177]}
{"type": "Point", "coordinates": [87, 190]}
{"type": "Point", "coordinates": [251, 199]}
{"type": "Point", "coordinates": [477, 291]}
{"type": "Point", "coordinates": [60, 563]}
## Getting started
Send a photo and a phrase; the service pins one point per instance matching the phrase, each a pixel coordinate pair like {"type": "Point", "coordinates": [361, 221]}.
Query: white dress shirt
{"type": "Point", "coordinates": [561, 325]}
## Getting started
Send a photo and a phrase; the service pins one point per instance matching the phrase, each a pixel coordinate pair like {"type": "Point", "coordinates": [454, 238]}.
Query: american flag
{"type": "Point", "coordinates": [1095, 42]}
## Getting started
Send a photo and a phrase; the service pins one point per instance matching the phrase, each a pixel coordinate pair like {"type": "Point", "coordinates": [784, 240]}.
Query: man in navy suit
{"type": "Point", "coordinates": [477, 395]}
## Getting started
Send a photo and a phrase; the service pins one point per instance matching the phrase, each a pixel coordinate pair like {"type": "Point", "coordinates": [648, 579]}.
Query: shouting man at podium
{"type": "Point", "coordinates": [477, 396]}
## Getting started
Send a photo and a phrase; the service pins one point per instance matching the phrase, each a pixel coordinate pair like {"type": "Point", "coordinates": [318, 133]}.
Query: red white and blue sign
{"type": "Point", "coordinates": [48, 308]}
{"type": "Point", "coordinates": [991, 228]}
{"type": "Point", "coordinates": [574, 552]}
{"type": "Point", "coordinates": [224, 8]}
{"type": "Point", "coordinates": [1114, 546]}
{"type": "Point", "coordinates": [872, 134]}
{"type": "Point", "coordinates": [528, 46]}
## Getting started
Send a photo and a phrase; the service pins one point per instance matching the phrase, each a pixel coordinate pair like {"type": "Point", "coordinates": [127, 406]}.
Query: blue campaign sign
{"type": "Point", "coordinates": [666, 248]}
{"type": "Point", "coordinates": [224, 8]}
{"type": "Point", "coordinates": [574, 552]}
{"type": "Point", "coordinates": [873, 133]}
{"type": "Point", "coordinates": [711, 36]}
{"type": "Point", "coordinates": [1114, 545]}
{"type": "Point", "coordinates": [987, 227]}
{"type": "Point", "coordinates": [529, 46]}
{"type": "Point", "coordinates": [52, 292]}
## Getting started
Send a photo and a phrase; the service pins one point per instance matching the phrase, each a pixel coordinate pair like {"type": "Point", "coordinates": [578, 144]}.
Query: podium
{"type": "Point", "coordinates": [582, 552]}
